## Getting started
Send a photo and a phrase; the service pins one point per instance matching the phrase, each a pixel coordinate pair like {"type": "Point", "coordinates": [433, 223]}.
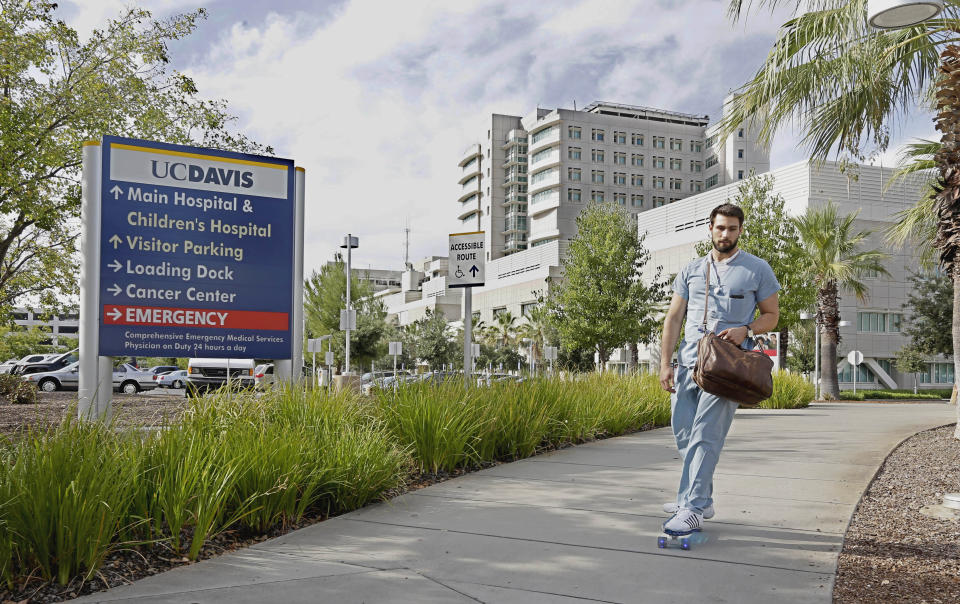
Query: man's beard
{"type": "Point", "coordinates": [723, 248]}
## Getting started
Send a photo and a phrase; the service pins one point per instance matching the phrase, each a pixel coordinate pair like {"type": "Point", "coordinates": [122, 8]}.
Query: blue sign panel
{"type": "Point", "coordinates": [196, 252]}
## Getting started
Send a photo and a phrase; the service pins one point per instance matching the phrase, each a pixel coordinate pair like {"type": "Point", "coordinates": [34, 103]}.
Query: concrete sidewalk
{"type": "Point", "coordinates": [581, 525]}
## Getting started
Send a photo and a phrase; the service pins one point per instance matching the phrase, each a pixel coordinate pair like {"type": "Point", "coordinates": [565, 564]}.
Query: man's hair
{"type": "Point", "coordinates": [727, 209]}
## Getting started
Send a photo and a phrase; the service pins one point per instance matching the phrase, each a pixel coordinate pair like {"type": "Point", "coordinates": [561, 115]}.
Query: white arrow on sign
{"type": "Point", "coordinates": [115, 290]}
{"type": "Point", "coordinates": [117, 192]}
{"type": "Point", "coordinates": [115, 265]}
{"type": "Point", "coordinates": [115, 314]}
{"type": "Point", "coordinates": [115, 241]}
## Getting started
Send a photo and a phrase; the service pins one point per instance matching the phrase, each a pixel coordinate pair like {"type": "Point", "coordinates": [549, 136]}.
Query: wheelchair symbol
{"type": "Point", "coordinates": [459, 274]}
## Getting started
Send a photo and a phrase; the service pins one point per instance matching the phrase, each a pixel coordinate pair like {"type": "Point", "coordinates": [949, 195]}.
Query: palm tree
{"type": "Point", "coordinates": [848, 86]}
{"type": "Point", "coordinates": [535, 327]}
{"type": "Point", "coordinates": [835, 263]}
{"type": "Point", "coordinates": [505, 328]}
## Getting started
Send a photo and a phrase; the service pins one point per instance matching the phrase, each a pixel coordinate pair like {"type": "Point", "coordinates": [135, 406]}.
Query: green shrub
{"type": "Point", "coordinates": [790, 391]}
{"type": "Point", "coordinates": [8, 384]}
{"type": "Point", "coordinates": [898, 395]}
{"type": "Point", "coordinates": [17, 391]}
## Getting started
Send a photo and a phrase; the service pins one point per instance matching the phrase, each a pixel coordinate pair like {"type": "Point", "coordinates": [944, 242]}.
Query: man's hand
{"type": "Point", "coordinates": [666, 378]}
{"type": "Point", "coordinates": [733, 334]}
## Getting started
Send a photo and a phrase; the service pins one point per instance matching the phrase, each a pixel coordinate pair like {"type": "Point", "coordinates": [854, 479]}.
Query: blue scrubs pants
{"type": "Point", "coordinates": [700, 424]}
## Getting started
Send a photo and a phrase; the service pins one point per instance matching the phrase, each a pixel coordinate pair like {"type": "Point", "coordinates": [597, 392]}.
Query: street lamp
{"type": "Point", "coordinates": [895, 14]}
{"type": "Point", "coordinates": [350, 242]}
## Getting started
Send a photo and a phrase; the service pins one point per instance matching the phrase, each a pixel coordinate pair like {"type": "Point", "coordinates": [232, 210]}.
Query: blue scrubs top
{"type": "Point", "coordinates": [733, 300]}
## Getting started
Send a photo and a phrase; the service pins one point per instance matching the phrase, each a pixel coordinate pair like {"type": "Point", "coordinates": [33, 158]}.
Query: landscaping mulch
{"type": "Point", "coordinates": [151, 408]}
{"type": "Point", "coordinates": [892, 552]}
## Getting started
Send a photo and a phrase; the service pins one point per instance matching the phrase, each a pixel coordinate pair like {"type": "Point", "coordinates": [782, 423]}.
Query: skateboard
{"type": "Point", "coordinates": [685, 540]}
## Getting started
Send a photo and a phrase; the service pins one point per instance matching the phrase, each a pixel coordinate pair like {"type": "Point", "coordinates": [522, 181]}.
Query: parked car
{"type": "Point", "coordinates": [61, 379]}
{"type": "Point", "coordinates": [158, 369]}
{"type": "Point", "coordinates": [130, 380]}
{"type": "Point", "coordinates": [385, 382]}
{"type": "Point", "coordinates": [46, 363]}
{"type": "Point", "coordinates": [8, 365]}
{"type": "Point", "coordinates": [171, 379]}
{"type": "Point", "coordinates": [209, 374]}
{"type": "Point", "coordinates": [493, 378]}
{"type": "Point", "coordinates": [263, 376]}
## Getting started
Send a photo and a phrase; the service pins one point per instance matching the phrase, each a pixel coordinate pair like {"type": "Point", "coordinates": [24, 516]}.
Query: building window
{"type": "Point", "coordinates": [620, 159]}
{"type": "Point", "coordinates": [542, 134]}
{"type": "Point", "coordinates": [863, 374]}
{"type": "Point", "coordinates": [676, 144]}
{"type": "Point", "coordinates": [676, 184]}
{"type": "Point", "coordinates": [596, 134]}
{"type": "Point", "coordinates": [573, 174]}
{"type": "Point", "coordinates": [879, 322]}
{"type": "Point", "coordinates": [696, 147]}
{"type": "Point", "coordinates": [739, 153]}
{"type": "Point", "coordinates": [636, 160]}
{"type": "Point", "coordinates": [676, 164]}
{"type": "Point", "coordinates": [620, 198]}
{"type": "Point", "coordinates": [659, 201]}
{"type": "Point", "coordinates": [496, 311]}
{"type": "Point", "coordinates": [712, 181]}
{"type": "Point", "coordinates": [696, 186]}
{"type": "Point", "coordinates": [636, 139]}
{"type": "Point", "coordinates": [696, 166]}
{"type": "Point", "coordinates": [620, 137]}
{"type": "Point", "coordinates": [573, 194]}
{"type": "Point", "coordinates": [596, 177]}
{"type": "Point", "coordinates": [620, 178]}
{"type": "Point", "coordinates": [596, 196]}
{"type": "Point", "coordinates": [541, 155]}
{"type": "Point", "coordinates": [659, 162]}
{"type": "Point", "coordinates": [636, 180]}
{"type": "Point", "coordinates": [886, 365]}
{"type": "Point", "coordinates": [636, 201]}
{"type": "Point", "coordinates": [597, 155]}
{"type": "Point", "coordinates": [740, 133]}
{"type": "Point", "coordinates": [544, 175]}
{"type": "Point", "coordinates": [573, 132]}
{"type": "Point", "coordinates": [938, 373]}
{"type": "Point", "coordinates": [871, 274]}
{"type": "Point", "coordinates": [658, 182]}
{"type": "Point", "coordinates": [739, 174]}
{"type": "Point", "coordinates": [526, 307]}
{"type": "Point", "coordinates": [573, 153]}
{"type": "Point", "coordinates": [659, 142]}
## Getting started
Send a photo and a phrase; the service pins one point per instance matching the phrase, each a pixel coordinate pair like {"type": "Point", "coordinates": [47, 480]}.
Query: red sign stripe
{"type": "Point", "coordinates": [158, 316]}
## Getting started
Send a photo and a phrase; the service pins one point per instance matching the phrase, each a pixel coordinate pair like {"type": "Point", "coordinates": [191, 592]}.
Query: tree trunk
{"type": "Point", "coordinates": [634, 353]}
{"type": "Point", "coordinates": [602, 356]}
{"type": "Point", "coordinates": [828, 305]}
{"type": "Point", "coordinates": [783, 346]}
{"type": "Point", "coordinates": [956, 343]}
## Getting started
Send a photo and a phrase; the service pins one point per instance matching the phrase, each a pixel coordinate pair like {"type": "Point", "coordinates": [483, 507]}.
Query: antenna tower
{"type": "Point", "coordinates": [406, 248]}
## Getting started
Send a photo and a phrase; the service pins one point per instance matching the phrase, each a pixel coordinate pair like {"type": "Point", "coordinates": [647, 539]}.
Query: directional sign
{"type": "Point", "coordinates": [396, 348]}
{"type": "Point", "coordinates": [467, 265]}
{"type": "Point", "coordinates": [855, 357]}
{"type": "Point", "coordinates": [196, 252]}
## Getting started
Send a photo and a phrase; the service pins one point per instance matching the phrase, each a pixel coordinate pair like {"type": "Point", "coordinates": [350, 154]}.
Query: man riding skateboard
{"type": "Point", "coordinates": [740, 284]}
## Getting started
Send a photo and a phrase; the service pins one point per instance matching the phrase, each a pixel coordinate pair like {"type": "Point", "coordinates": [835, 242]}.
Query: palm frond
{"type": "Point", "coordinates": [916, 157]}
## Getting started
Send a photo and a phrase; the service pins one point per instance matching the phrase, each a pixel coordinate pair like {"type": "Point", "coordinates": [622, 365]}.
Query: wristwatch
{"type": "Point", "coordinates": [750, 333]}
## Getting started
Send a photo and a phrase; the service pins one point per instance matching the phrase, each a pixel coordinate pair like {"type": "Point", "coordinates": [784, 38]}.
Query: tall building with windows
{"type": "Point", "coordinates": [528, 178]}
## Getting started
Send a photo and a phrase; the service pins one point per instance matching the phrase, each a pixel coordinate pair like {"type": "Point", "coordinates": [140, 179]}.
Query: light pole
{"type": "Point", "coordinates": [350, 242]}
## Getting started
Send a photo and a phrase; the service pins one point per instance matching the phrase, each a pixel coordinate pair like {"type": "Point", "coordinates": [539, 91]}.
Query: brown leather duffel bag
{"type": "Point", "coordinates": [728, 371]}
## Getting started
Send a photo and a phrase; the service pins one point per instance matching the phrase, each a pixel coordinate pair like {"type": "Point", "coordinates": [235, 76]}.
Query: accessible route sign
{"type": "Point", "coordinates": [196, 252]}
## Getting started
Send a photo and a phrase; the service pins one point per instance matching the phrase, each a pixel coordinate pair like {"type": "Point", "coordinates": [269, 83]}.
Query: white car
{"type": "Point", "coordinates": [172, 379]}
{"type": "Point", "coordinates": [263, 376]}
{"type": "Point", "coordinates": [130, 380]}
{"type": "Point", "coordinates": [209, 374]}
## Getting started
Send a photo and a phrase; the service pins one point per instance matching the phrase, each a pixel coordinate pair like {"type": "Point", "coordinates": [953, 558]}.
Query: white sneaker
{"type": "Point", "coordinates": [673, 508]}
{"type": "Point", "coordinates": [683, 522]}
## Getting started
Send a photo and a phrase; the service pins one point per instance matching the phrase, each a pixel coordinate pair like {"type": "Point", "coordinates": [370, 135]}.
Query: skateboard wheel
{"type": "Point", "coordinates": [684, 543]}
{"type": "Point", "coordinates": [661, 542]}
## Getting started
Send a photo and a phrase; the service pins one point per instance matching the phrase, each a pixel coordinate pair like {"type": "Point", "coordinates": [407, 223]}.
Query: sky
{"type": "Point", "coordinates": [377, 100]}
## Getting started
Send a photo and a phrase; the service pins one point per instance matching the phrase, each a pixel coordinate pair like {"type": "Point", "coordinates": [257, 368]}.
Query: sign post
{"type": "Point", "coordinates": [396, 349]}
{"type": "Point", "coordinates": [550, 354]}
{"type": "Point", "coordinates": [187, 252]}
{"type": "Point", "coordinates": [855, 358]}
{"type": "Point", "coordinates": [467, 270]}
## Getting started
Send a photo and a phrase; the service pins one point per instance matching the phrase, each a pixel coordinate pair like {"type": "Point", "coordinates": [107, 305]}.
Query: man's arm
{"type": "Point", "coordinates": [671, 333]}
{"type": "Point", "coordinates": [767, 321]}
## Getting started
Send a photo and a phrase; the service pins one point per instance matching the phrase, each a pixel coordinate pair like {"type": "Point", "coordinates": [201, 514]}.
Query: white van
{"type": "Point", "coordinates": [210, 374]}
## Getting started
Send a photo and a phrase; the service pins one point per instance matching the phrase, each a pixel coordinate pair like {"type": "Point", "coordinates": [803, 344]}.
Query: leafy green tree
{"type": "Point", "coordinates": [430, 340]}
{"type": "Point", "coordinates": [929, 312]}
{"type": "Point", "coordinates": [18, 343]}
{"type": "Point", "coordinates": [602, 302]}
{"type": "Point", "coordinates": [769, 233]}
{"type": "Point", "coordinates": [834, 262]}
{"type": "Point", "coordinates": [57, 91]}
{"type": "Point", "coordinates": [802, 348]}
{"type": "Point", "coordinates": [911, 360]}
{"type": "Point", "coordinates": [325, 294]}
{"type": "Point", "coordinates": [848, 86]}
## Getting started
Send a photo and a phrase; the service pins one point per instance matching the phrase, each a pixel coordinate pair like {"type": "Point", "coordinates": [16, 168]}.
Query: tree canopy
{"type": "Point", "coordinates": [57, 91]}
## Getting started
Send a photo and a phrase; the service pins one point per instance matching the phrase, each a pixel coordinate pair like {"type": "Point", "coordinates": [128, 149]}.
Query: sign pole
{"type": "Point", "coordinates": [467, 333]}
{"type": "Point", "coordinates": [346, 361]}
{"type": "Point", "coordinates": [95, 372]}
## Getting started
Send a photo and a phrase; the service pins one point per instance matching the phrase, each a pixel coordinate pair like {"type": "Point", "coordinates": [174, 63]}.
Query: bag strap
{"type": "Point", "coordinates": [706, 295]}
